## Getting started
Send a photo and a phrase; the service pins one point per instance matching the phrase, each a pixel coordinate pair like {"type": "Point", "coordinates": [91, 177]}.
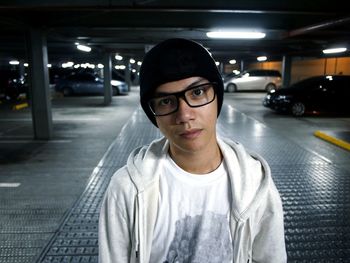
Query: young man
{"type": "Point", "coordinates": [189, 196]}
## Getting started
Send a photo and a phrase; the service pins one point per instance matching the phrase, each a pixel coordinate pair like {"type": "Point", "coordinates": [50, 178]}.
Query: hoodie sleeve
{"type": "Point", "coordinates": [115, 233]}
{"type": "Point", "coordinates": [269, 241]}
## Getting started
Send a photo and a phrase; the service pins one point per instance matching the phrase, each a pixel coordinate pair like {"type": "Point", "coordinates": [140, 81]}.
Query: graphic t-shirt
{"type": "Point", "coordinates": [192, 224]}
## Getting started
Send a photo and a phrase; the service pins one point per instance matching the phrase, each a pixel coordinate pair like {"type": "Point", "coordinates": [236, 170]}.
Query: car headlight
{"type": "Point", "coordinates": [116, 83]}
{"type": "Point", "coordinates": [283, 97]}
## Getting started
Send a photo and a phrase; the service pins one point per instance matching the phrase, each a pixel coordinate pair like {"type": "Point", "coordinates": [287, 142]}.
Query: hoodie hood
{"type": "Point", "coordinates": [249, 173]}
{"type": "Point", "coordinates": [250, 176]}
{"type": "Point", "coordinates": [144, 163]}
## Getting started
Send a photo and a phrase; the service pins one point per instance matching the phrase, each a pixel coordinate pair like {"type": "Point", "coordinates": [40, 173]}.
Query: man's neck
{"type": "Point", "coordinates": [201, 162]}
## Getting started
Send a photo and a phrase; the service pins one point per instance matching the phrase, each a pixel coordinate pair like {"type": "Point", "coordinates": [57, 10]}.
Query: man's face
{"type": "Point", "coordinates": [189, 130]}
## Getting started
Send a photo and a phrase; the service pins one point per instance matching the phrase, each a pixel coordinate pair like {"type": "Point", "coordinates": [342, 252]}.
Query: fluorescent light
{"type": "Point", "coordinates": [261, 58]}
{"type": "Point", "coordinates": [14, 62]}
{"type": "Point", "coordinates": [100, 65]}
{"type": "Point", "coordinates": [118, 57]}
{"type": "Point", "coordinates": [232, 61]}
{"type": "Point", "coordinates": [26, 64]}
{"type": "Point", "coordinates": [236, 34]}
{"type": "Point", "coordinates": [67, 64]}
{"type": "Point", "coordinates": [120, 67]}
{"type": "Point", "coordinates": [84, 48]}
{"type": "Point", "coordinates": [132, 61]}
{"type": "Point", "coordinates": [334, 50]}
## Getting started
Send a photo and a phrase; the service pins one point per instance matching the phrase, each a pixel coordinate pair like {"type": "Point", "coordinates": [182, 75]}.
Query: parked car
{"type": "Point", "coordinates": [88, 83]}
{"type": "Point", "coordinates": [316, 94]}
{"type": "Point", "coordinates": [257, 79]}
{"type": "Point", "coordinates": [12, 85]}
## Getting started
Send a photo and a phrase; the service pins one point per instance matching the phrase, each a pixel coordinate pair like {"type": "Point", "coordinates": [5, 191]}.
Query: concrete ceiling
{"type": "Point", "coordinates": [296, 28]}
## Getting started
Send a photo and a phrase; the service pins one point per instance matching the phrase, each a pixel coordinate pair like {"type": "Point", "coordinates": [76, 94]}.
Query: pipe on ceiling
{"type": "Point", "coordinates": [312, 28]}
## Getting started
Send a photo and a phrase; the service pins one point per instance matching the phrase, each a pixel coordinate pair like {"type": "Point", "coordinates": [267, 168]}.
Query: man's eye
{"type": "Point", "coordinates": [198, 92]}
{"type": "Point", "coordinates": [165, 102]}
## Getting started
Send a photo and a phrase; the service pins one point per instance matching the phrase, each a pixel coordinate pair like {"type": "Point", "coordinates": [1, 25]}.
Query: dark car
{"type": "Point", "coordinates": [88, 83]}
{"type": "Point", "coordinates": [328, 94]}
{"type": "Point", "coordinates": [12, 84]}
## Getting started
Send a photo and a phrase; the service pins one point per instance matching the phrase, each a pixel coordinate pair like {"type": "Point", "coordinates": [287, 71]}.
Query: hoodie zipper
{"type": "Point", "coordinates": [137, 229]}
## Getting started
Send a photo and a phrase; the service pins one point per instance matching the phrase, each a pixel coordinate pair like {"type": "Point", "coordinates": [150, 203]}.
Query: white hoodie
{"type": "Point", "coordinates": [129, 209]}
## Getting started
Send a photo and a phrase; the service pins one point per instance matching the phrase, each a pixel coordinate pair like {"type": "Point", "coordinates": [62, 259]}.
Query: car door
{"type": "Point", "coordinates": [341, 94]}
{"type": "Point", "coordinates": [88, 84]}
{"type": "Point", "coordinates": [322, 97]}
{"type": "Point", "coordinates": [95, 84]}
{"type": "Point", "coordinates": [248, 81]}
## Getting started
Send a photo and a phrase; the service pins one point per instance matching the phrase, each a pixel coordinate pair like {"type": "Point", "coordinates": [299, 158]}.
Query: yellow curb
{"type": "Point", "coordinates": [20, 106]}
{"type": "Point", "coordinates": [336, 141]}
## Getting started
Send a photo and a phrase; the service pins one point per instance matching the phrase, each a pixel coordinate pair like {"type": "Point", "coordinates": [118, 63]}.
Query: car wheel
{"type": "Point", "coordinates": [67, 91]}
{"type": "Point", "coordinates": [115, 91]}
{"type": "Point", "coordinates": [298, 109]}
{"type": "Point", "coordinates": [231, 88]}
{"type": "Point", "coordinates": [270, 87]}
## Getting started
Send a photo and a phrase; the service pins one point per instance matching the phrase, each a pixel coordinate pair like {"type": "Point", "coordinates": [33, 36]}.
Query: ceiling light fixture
{"type": "Point", "coordinates": [334, 50]}
{"type": "Point", "coordinates": [84, 48]}
{"type": "Point", "coordinates": [14, 62]}
{"type": "Point", "coordinates": [261, 58]}
{"type": "Point", "coordinates": [118, 57]}
{"type": "Point", "coordinates": [236, 34]}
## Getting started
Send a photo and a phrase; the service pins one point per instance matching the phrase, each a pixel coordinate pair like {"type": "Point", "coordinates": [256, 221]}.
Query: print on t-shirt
{"type": "Point", "coordinates": [202, 238]}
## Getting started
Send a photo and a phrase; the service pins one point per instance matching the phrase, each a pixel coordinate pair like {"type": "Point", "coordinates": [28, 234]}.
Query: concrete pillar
{"type": "Point", "coordinates": [222, 68]}
{"type": "Point", "coordinates": [286, 71]}
{"type": "Point", "coordinates": [39, 84]}
{"type": "Point", "coordinates": [128, 72]}
{"type": "Point", "coordinates": [242, 65]}
{"type": "Point", "coordinates": [21, 68]}
{"type": "Point", "coordinates": [107, 76]}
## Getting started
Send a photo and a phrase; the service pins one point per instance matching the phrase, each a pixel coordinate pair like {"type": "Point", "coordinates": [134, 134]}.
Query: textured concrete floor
{"type": "Point", "coordinates": [52, 175]}
{"type": "Point", "coordinates": [50, 204]}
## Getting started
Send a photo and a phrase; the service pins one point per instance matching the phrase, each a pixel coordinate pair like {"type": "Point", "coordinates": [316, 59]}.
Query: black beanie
{"type": "Point", "coordinates": [172, 60]}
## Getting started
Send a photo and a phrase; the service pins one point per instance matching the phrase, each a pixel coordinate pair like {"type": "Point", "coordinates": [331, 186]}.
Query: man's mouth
{"type": "Point", "coordinates": [191, 134]}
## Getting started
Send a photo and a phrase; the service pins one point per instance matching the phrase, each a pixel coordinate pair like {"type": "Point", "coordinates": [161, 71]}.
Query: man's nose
{"type": "Point", "coordinates": [184, 112]}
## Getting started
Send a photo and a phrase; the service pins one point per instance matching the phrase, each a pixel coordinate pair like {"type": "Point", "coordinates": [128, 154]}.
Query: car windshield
{"type": "Point", "coordinates": [260, 73]}
{"type": "Point", "coordinates": [307, 83]}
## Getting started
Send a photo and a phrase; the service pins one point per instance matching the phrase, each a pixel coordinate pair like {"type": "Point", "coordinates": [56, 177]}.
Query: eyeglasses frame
{"type": "Point", "coordinates": [181, 94]}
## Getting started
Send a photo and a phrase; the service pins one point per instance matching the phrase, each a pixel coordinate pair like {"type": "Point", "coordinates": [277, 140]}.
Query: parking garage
{"type": "Point", "coordinates": [58, 153]}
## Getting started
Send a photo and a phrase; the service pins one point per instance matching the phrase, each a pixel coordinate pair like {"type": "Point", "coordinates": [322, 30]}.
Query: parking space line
{"type": "Point", "coordinates": [339, 142]}
{"type": "Point", "coordinates": [20, 106]}
{"type": "Point", "coordinates": [9, 185]}
{"type": "Point", "coordinates": [34, 141]}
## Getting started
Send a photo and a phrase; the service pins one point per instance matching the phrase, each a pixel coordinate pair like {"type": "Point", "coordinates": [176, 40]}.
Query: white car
{"type": "Point", "coordinates": [257, 79]}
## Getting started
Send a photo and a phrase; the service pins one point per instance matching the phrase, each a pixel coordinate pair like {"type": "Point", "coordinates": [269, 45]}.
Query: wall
{"type": "Point", "coordinates": [302, 69]}
{"type": "Point", "coordinates": [307, 67]}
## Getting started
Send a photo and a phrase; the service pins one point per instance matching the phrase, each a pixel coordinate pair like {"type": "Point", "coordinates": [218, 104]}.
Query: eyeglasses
{"type": "Point", "coordinates": [196, 96]}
